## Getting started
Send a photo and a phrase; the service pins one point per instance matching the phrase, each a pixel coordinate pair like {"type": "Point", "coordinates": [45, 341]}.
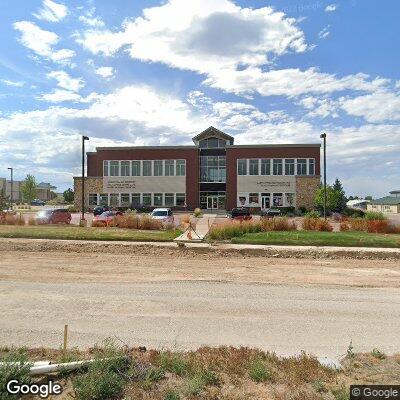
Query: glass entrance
{"type": "Point", "coordinates": [212, 202]}
{"type": "Point", "coordinates": [265, 200]}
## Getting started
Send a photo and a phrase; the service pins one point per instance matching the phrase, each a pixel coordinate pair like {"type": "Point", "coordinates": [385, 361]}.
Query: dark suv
{"type": "Point", "coordinates": [98, 210]}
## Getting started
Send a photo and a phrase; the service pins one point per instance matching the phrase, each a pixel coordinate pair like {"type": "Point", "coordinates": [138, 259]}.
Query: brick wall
{"type": "Point", "coordinates": [306, 188]}
{"type": "Point", "coordinates": [92, 185]}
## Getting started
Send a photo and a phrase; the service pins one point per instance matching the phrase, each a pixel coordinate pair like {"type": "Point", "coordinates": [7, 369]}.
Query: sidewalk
{"type": "Point", "coordinates": [202, 227]}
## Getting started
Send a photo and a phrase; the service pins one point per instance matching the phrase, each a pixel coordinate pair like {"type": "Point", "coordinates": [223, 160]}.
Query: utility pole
{"type": "Point", "coordinates": [323, 136]}
{"type": "Point", "coordinates": [83, 178]}
{"type": "Point", "coordinates": [12, 184]}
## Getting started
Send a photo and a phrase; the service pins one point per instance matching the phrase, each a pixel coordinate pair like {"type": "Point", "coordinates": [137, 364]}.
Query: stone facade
{"type": "Point", "coordinates": [306, 189]}
{"type": "Point", "coordinates": [92, 185]}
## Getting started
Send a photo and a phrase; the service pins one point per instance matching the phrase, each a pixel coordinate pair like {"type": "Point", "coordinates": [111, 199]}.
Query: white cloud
{"type": "Point", "coordinates": [324, 33]}
{"type": "Point", "coordinates": [59, 96]}
{"type": "Point", "coordinates": [331, 7]}
{"type": "Point", "coordinates": [91, 20]}
{"type": "Point", "coordinates": [12, 83]}
{"type": "Point", "coordinates": [105, 72]}
{"type": "Point", "coordinates": [65, 81]}
{"type": "Point", "coordinates": [51, 11]}
{"type": "Point", "coordinates": [42, 42]}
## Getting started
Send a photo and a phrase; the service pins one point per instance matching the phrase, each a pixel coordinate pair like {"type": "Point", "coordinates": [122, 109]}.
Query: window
{"type": "Point", "coordinates": [180, 199]}
{"type": "Point", "coordinates": [135, 168]}
{"type": "Point", "coordinates": [253, 167]}
{"type": "Point", "coordinates": [212, 143]}
{"type": "Point", "coordinates": [180, 168]}
{"type": "Point", "coordinates": [114, 200]}
{"type": "Point", "coordinates": [114, 168]}
{"type": "Point", "coordinates": [242, 199]}
{"type": "Point", "coordinates": [311, 166]}
{"type": "Point", "coordinates": [301, 166]}
{"type": "Point", "coordinates": [147, 199]}
{"type": "Point", "coordinates": [169, 167]}
{"type": "Point", "coordinates": [125, 168]}
{"type": "Point", "coordinates": [277, 166]}
{"type": "Point", "coordinates": [289, 166]}
{"type": "Point", "coordinates": [253, 199]}
{"type": "Point", "coordinates": [242, 167]}
{"type": "Point", "coordinates": [289, 199]}
{"type": "Point", "coordinates": [213, 169]}
{"type": "Point", "coordinates": [135, 199]}
{"type": "Point", "coordinates": [158, 168]}
{"type": "Point", "coordinates": [169, 199]}
{"type": "Point", "coordinates": [103, 200]}
{"type": "Point", "coordinates": [266, 166]}
{"type": "Point", "coordinates": [92, 199]}
{"type": "Point", "coordinates": [105, 168]}
{"type": "Point", "coordinates": [147, 168]}
{"type": "Point", "coordinates": [157, 200]}
{"type": "Point", "coordinates": [124, 199]}
{"type": "Point", "coordinates": [277, 200]}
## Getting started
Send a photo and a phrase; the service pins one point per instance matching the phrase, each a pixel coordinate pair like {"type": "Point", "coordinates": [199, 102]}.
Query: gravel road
{"type": "Point", "coordinates": [161, 300]}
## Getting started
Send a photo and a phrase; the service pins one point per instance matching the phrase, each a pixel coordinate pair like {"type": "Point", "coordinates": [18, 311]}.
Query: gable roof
{"type": "Point", "coordinates": [387, 200]}
{"type": "Point", "coordinates": [213, 132]}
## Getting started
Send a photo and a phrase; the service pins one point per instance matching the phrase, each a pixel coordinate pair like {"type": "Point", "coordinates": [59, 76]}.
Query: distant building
{"type": "Point", "coordinates": [359, 204]}
{"type": "Point", "coordinates": [45, 191]}
{"type": "Point", "coordinates": [387, 204]}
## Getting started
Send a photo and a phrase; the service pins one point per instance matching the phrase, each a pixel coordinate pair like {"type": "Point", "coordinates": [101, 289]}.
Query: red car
{"type": "Point", "coordinates": [106, 217]}
{"type": "Point", "coordinates": [56, 216]}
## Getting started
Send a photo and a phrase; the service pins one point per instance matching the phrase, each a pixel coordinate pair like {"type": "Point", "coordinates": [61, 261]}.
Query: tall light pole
{"type": "Point", "coordinates": [323, 136]}
{"type": "Point", "coordinates": [12, 184]}
{"type": "Point", "coordinates": [83, 177]}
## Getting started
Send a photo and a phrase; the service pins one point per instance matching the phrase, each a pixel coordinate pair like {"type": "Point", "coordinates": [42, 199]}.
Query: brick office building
{"type": "Point", "coordinates": [212, 174]}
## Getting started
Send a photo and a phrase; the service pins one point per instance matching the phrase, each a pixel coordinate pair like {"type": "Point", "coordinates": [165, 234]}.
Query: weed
{"type": "Point", "coordinates": [341, 393]}
{"type": "Point", "coordinates": [350, 350]}
{"type": "Point", "coordinates": [173, 363]}
{"type": "Point", "coordinates": [378, 354]}
{"type": "Point", "coordinates": [312, 214]}
{"type": "Point", "coordinates": [258, 370]}
{"type": "Point", "coordinates": [32, 221]}
{"type": "Point", "coordinates": [152, 375]}
{"type": "Point", "coordinates": [278, 224]}
{"type": "Point", "coordinates": [374, 216]}
{"type": "Point", "coordinates": [319, 386]}
{"type": "Point", "coordinates": [197, 212]}
{"type": "Point", "coordinates": [172, 395]}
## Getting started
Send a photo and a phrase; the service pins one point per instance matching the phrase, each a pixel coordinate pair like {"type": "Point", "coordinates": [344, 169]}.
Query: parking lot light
{"type": "Point", "coordinates": [12, 183]}
{"type": "Point", "coordinates": [83, 178]}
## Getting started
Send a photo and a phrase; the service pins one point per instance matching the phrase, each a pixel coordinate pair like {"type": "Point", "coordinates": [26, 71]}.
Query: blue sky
{"type": "Point", "coordinates": [158, 72]}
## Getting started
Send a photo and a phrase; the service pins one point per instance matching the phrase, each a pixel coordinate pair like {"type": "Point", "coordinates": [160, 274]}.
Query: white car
{"type": "Point", "coordinates": [163, 214]}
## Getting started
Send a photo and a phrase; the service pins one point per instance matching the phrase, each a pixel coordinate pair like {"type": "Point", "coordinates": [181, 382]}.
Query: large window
{"type": "Point", "coordinates": [265, 166]}
{"type": "Point", "coordinates": [105, 168]}
{"type": "Point", "coordinates": [301, 166]}
{"type": "Point", "coordinates": [147, 199]}
{"type": "Point", "coordinates": [311, 166]}
{"type": "Point", "coordinates": [158, 168]}
{"type": "Point", "coordinates": [92, 199]}
{"type": "Point", "coordinates": [213, 169]}
{"type": "Point", "coordinates": [180, 199]}
{"type": "Point", "coordinates": [103, 199]}
{"type": "Point", "coordinates": [157, 199]}
{"type": "Point", "coordinates": [169, 167]}
{"type": "Point", "coordinates": [242, 167]}
{"type": "Point", "coordinates": [169, 199]}
{"type": "Point", "coordinates": [289, 166]}
{"type": "Point", "coordinates": [147, 168]}
{"type": "Point", "coordinates": [180, 168]}
{"type": "Point", "coordinates": [253, 167]}
{"type": "Point", "coordinates": [135, 168]}
{"type": "Point", "coordinates": [253, 199]}
{"type": "Point", "coordinates": [135, 199]}
{"type": "Point", "coordinates": [114, 168]}
{"type": "Point", "coordinates": [124, 199]}
{"type": "Point", "coordinates": [277, 200]}
{"type": "Point", "coordinates": [212, 143]}
{"type": "Point", "coordinates": [114, 200]}
{"type": "Point", "coordinates": [277, 166]}
{"type": "Point", "coordinates": [125, 168]}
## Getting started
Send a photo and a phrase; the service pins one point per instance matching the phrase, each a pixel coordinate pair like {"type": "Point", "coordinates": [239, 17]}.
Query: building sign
{"type": "Point", "coordinates": [268, 184]}
{"type": "Point", "coordinates": [119, 185]}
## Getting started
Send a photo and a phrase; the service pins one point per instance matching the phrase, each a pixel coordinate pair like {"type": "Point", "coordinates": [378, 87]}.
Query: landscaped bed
{"type": "Point", "coordinates": [207, 373]}
{"type": "Point", "coordinates": [314, 238]}
{"type": "Point", "coordinates": [78, 233]}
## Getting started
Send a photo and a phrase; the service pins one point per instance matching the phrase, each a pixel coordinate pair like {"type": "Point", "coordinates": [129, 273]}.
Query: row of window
{"type": "Point", "coordinates": [144, 168]}
{"type": "Point", "coordinates": [213, 169]}
{"type": "Point", "coordinates": [266, 200]}
{"type": "Point", "coordinates": [136, 199]}
{"type": "Point", "coordinates": [276, 166]}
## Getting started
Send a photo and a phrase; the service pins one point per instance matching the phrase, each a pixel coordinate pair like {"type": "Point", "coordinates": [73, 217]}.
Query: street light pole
{"type": "Point", "coordinates": [83, 177]}
{"type": "Point", "coordinates": [323, 136]}
{"type": "Point", "coordinates": [12, 184]}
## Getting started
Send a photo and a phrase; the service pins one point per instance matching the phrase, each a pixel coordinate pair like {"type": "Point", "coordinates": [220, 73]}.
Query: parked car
{"type": "Point", "coordinates": [98, 210]}
{"type": "Point", "coordinates": [106, 217]}
{"type": "Point", "coordinates": [56, 216]}
{"type": "Point", "coordinates": [163, 214]}
{"type": "Point", "coordinates": [270, 212]}
{"type": "Point", "coordinates": [37, 202]}
{"type": "Point", "coordinates": [240, 214]}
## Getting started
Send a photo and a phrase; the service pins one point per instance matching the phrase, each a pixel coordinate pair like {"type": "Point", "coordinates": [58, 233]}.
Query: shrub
{"type": "Point", "coordinates": [32, 221]}
{"type": "Point", "coordinates": [173, 363]}
{"type": "Point", "coordinates": [312, 214]}
{"type": "Point", "coordinates": [233, 229]}
{"type": "Point", "coordinates": [258, 370]}
{"type": "Point", "coordinates": [171, 395]}
{"type": "Point", "coordinates": [353, 212]}
{"type": "Point", "coordinates": [197, 212]}
{"type": "Point", "coordinates": [310, 223]}
{"type": "Point", "coordinates": [98, 224]}
{"type": "Point", "coordinates": [14, 220]}
{"type": "Point", "coordinates": [148, 223]}
{"type": "Point", "coordinates": [199, 380]}
{"type": "Point", "coordinates": [323, 225]}
{"type": "Point", "coordinates": [357, 224]}
{"type": "Point", "coordinates": [17, 367]}
{"type": "Point", "coordinates": [377, 226]}
{"type": "Point", "coordinates": [378, 354]}
{"type": "Point", "coordinates": [344, 226]}
{"type": "Point", "coordinates": [374, 215]}
{"type": "Point", "coordinates": [72, 209]}
{"type": "Point", "coordinates": [277, 224]}
{"type": "Point", "coordinates": [185, 219]}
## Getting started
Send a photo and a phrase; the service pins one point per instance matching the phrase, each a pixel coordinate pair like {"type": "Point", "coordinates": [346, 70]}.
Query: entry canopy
{"type": "Point", "coordinates": [211, 135]}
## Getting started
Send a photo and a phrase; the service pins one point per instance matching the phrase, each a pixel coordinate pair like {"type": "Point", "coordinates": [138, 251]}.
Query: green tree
{"type": "Point", "coordinates": [342, 200]}
{"type": "Point", "coordinates": [3, 199]}
{"type": "Point", "coordinates": [28, 189]}
{"type": "Point", "coordinates": [332, 198]}
{"type": "Point", "coordinates": [368, 198]}
{"type": "Point", "coordinates": [69, 195]}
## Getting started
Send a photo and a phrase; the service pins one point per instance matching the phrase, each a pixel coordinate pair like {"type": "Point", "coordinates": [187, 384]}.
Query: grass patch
{"type": "Point", "coordinates": [80, 233]}
{"type": "Point", "coordinates": [173, 363]}
{"type": "Point", "coordinates": [259, 371]}
{"type": "Point", "coordinates": [314, 238]}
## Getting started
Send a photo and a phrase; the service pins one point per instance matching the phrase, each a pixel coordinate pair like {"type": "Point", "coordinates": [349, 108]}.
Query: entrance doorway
{"type": "Point", "coordinates": [265, 200]}
{"type": "Point", "coordinates": [212, 202]}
